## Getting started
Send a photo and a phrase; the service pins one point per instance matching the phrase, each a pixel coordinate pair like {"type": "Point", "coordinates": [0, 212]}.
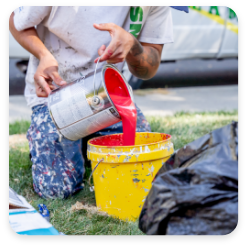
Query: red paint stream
{"type": "Point", "coordinates": [120, 96]}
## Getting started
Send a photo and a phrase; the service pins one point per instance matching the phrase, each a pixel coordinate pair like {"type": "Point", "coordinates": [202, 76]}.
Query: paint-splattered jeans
{"type": "Point", "coordinates": [58, 166]}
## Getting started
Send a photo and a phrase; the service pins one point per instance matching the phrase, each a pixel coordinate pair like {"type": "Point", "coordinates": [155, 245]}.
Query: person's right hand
{"type": "Point", "coordinates": [46, 73]}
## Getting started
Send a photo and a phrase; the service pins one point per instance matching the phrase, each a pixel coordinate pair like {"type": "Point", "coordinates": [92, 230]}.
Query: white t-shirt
{"type": "Point", "coordinates": [68, 33]}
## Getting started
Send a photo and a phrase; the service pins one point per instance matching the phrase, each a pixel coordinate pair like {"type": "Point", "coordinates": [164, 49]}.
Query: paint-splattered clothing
{"type": "Point", "coordinates": [58, 166]}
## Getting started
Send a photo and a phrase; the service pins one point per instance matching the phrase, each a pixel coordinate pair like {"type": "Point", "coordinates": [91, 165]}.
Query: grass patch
{"type": "Point", "coordinates": [19, 127]}
{"type": "Point", "coordinates": [184, 128]}
{"type": "Point", "coordinates": [62, 218]}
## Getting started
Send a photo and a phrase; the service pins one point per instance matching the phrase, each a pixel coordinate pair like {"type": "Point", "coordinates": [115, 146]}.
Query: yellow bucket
{"type": "Point", "coordinates": [123, 175]}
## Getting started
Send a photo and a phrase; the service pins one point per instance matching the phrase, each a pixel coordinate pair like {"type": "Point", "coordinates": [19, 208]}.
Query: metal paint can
{"type": "Point", "coordinates": [84, 106]}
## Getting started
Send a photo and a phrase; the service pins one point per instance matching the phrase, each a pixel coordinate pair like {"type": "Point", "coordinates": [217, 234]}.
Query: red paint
{"type": "Point", "coordinates": [120, 96]}
{"type": "Point", "coordinates": [117, 140]}
{"type": "Point", "coordinates": [110, 52]}
{"type": "Point", "coordinates": [108, 140]}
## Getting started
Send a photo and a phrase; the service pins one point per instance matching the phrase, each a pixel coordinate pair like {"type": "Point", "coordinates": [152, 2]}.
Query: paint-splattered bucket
{"type": "Point", "coordinates": [123, 175]}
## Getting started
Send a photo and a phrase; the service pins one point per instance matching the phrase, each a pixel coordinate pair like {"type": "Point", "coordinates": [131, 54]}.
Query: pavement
{"type": "Point", "coordinates": [193, 99]}
{"type": "Point", "coordinates": [207, 98]}
{"type": "Point", "coordinates": [18, 109]}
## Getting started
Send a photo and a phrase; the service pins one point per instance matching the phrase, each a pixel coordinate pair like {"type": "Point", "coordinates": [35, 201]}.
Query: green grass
{"type": "Point", "coordinates": [184, 128]}
{"type": "Point", "coordinates": [71, 223]}
{"type": "Point", "coordinates": [18, 127]}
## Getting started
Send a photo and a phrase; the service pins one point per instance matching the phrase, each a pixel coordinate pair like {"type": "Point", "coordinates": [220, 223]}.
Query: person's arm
{"type": "Point", "coordinates": [47, 70]}
{"type": "Point", "coordinates": [143, 59]}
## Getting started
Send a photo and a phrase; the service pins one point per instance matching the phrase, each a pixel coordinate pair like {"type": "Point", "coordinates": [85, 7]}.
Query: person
{"type": "Point", "coordinates": [65, 43]}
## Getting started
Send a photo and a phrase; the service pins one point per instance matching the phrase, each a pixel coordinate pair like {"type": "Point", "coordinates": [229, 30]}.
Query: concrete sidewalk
{"type": "Point", "coordinates": [210, 98]}
{"type": "Point", "coordinates": [18, 109]}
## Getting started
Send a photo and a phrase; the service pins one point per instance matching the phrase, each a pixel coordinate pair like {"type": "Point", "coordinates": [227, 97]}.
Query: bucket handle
{"type": "Point", "coordinates": [95, 98]}
{"type": "Point", "coordinates": [93, 172]}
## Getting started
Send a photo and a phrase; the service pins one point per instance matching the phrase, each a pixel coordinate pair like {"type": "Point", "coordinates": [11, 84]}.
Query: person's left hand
{"type": "Point", "coordinates": [120, 45]}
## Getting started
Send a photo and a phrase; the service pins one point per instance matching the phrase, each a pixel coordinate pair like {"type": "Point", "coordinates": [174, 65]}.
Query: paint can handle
{"type": "Point", "coordinates": [92, 187]}
{"type": "Point", "coordinates": [95, 76]}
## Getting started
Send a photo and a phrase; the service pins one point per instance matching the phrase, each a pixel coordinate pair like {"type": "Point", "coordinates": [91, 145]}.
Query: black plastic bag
{"type": "Point", "coordinates": [196, 190]}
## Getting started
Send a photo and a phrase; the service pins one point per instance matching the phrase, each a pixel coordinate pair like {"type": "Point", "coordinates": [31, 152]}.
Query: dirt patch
{"type": "Point", "coordinates": [90, 209]}
{"type": "Point", "coordinates": [17, 140]}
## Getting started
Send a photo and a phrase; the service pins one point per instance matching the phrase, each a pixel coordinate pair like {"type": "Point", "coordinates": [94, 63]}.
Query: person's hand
{"type": "Point", "coordinates": [46, 73]}
{"type": "Point", "coordinates": [120, 45]}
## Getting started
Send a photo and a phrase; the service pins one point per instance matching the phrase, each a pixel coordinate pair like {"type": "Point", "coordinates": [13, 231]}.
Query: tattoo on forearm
{"type": "Point", "coordinates": [140, 70]}
{"type": "Point", "coordinates": [144, 60]}
{"type": "Point", "coordinates": [152, 57]}
{"type": "Point", "coordinates": [137, 49]}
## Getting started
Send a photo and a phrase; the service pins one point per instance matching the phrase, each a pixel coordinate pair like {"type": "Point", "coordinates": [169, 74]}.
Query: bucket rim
{"type": "Point", "coordinates": [154, 143]}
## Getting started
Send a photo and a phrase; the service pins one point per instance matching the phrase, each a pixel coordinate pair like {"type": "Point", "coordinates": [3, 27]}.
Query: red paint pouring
{"type": "Point", "coordinates": [120, 96]}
